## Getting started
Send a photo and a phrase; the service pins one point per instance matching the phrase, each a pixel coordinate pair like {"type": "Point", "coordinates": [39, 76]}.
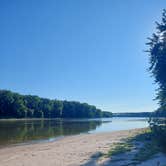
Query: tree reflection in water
{"type": "Point", "coordinates": [12, 132]}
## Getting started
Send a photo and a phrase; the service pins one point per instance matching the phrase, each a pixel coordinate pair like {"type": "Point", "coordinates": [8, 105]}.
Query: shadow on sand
{"type": "Point", "coordinates": [143, 152]}
{"type": "Point", "coordinates": [93, 160]}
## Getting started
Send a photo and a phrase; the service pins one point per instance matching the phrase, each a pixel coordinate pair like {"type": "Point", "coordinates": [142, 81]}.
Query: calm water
{"type": "Point", "coordinates": [29, 131]}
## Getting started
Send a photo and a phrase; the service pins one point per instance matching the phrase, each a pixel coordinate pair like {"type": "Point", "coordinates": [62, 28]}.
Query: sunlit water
{"type": "Point", "coordinates": [30, 131]}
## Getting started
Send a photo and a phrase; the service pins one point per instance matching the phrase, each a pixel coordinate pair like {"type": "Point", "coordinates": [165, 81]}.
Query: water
{"type": "Point", "coordinates": [30, 131]}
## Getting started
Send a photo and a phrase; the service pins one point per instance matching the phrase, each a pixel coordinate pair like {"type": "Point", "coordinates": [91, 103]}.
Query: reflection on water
{"type": "Point", "coordinates": [12, 132]}
{"type": "Point", "coordinates": [21, 131]}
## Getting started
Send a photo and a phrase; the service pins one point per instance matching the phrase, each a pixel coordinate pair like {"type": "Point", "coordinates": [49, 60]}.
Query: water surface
{"type": "Point", "coordinates": [30, 131]}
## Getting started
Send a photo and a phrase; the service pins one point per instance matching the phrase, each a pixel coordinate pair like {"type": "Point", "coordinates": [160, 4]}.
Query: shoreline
{"type": "Point", "coordinates": [58, 138]}
{"type": "Point", "coordinates": [68, 151]}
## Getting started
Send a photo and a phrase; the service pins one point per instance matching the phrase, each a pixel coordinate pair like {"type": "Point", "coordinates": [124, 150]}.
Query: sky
{"type": "Point", "coordinates": [80, 50]}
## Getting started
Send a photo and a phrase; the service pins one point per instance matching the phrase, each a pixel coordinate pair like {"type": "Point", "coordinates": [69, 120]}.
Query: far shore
{"type": "Point", "coordinates": [69, 151]}
{"type": "Point", "coordinates": [23, 119]}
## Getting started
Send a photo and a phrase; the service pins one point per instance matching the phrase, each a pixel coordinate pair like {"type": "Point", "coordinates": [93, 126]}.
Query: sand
{"type": "Point", "coordinates": [69, 151]}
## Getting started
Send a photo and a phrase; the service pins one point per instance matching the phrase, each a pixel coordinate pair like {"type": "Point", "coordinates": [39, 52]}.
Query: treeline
{"type": "Point", "coordinates": [14, 105]}
{"type": "Point", "coordinates": [157, 56]}
{"type": "Point", "coordinates": [133, 114]}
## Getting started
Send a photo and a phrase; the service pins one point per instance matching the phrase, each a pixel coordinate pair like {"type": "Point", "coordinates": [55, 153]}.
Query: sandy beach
{"type": "Point", "coordinates": [68, 151]}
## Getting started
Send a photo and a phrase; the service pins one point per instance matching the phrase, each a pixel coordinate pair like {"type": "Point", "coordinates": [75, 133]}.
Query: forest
{"type": "Point", "coordinates": [14, 105]}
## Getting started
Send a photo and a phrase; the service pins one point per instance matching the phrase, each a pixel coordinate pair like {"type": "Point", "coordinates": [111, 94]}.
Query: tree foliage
{"type": "Point", "coordinates": [14, 105]}
{"type": "Point", "coordinates": [157, 57]}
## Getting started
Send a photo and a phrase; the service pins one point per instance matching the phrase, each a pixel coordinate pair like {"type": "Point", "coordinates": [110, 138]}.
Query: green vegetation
{"type": "Point", "coordinates": [120, 147]}
{"type": "Point", "coordinates": [157, 56]}
{"type": "Point", "coordinates": [143, 144]}
{"type": "Point", "coordinates": [150, 146]}
{"type": "Point", "coordinates": [144, 135]}
{"type": "Point", "coordinates": [14, 105]}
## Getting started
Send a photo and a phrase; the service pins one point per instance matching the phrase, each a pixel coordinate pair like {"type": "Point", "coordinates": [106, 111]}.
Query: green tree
{"type": "Point", "coordinates": [157, 57]}
{"type": "Point", "coordinates": [57, 108]}
{"type": "Point", "coordinates": [14, 105]}
{"type": "Point", "coordinates": [19, 109]}
{"type": "Point", "coordinates": [6, 101]}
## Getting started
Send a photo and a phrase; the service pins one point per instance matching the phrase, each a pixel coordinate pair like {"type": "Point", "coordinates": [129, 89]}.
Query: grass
{"type": "Point", "coordinates": [127, 144]}
{"type": "Point", "coordinates": [148, 149]}
{"type": "Point", "coordinates": [119, 148]}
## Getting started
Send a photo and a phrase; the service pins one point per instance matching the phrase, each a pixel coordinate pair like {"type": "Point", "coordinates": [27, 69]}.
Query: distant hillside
{"type": "Point", "coordinates": [14, 105]}
{"type": "Point", "coordinates": [133, 114]}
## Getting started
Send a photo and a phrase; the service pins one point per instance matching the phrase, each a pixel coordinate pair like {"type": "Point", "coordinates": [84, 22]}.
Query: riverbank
{"type": "Point", "coordinates": [69, 151]}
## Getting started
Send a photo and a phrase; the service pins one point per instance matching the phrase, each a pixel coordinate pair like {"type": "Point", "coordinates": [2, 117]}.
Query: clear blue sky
{"type": "Point", "coordinates": [84, 50]}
